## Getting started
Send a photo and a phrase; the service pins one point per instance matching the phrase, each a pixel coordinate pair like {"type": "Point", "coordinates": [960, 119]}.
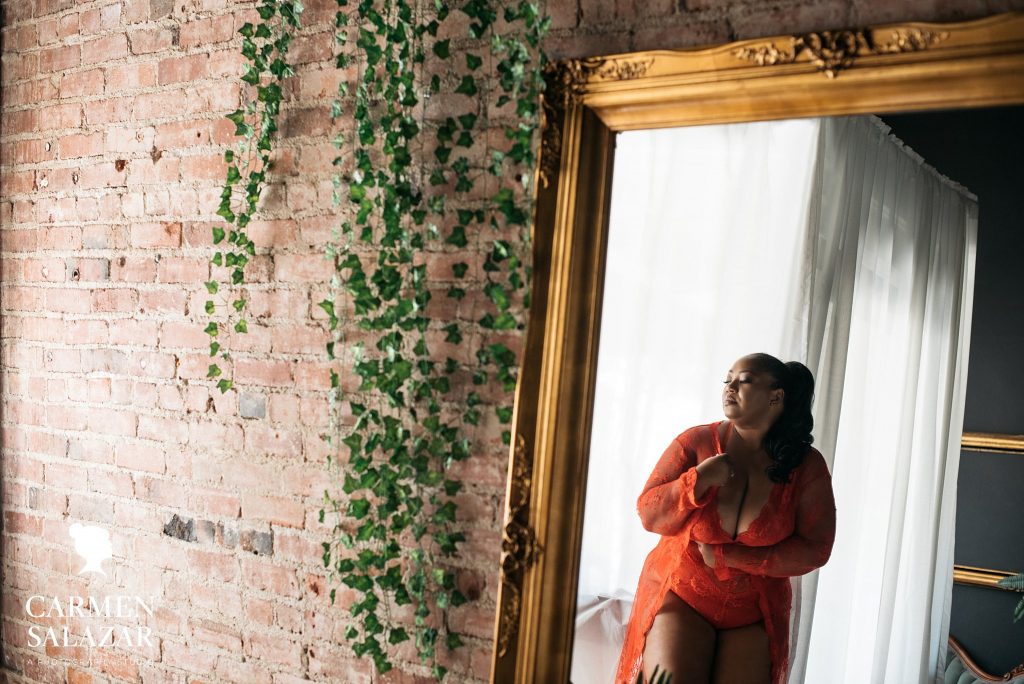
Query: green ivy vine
{"type": "Point", "coordinates": [410, 417]}
{"type": "Point", "coordinates": [265, 48]}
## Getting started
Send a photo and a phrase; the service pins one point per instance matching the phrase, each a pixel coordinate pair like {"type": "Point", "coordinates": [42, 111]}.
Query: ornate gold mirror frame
{"type": "Point", "coordinates": [894, 68]}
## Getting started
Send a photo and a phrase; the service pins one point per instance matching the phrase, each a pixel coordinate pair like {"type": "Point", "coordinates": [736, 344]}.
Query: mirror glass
{"type": "Point", "coordinates": [828, 241]}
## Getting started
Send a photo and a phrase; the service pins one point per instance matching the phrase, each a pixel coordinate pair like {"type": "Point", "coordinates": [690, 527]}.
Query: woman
{"type": "Point", "coordinates": [742, 505]}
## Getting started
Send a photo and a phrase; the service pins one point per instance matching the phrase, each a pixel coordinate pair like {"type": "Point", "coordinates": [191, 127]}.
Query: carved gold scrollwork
{"type": "Point", "coordinates": [551, 113]}
{"type": "Point", "coordinates": [566, 82]}
{"type": "Point", "coordinates": [832, 51]}
{"type": "Point", "coordinates": [519, 545]}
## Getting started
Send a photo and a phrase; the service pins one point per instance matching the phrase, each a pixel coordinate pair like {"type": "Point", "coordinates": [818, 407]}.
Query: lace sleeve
{"type": "Point", "coordinates": [668, 497]}
{"type": "Point", "coordinates": [809, 546]}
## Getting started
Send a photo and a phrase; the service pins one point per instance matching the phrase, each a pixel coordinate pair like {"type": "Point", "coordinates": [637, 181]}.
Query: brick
{"type": "Point", "coordinates": [60, 117]}
{"type": "Point", "coordinates": [273, 509]}
{"type": "Point", "coordinates": [62, 238]}
{"type": "Point", "coordinates": [210, 633]}
{"type": "Point", "coordinates": [276, 649]}
{"type": "Point", "coordinates": [188, 658]}
{"type": "Point", "coordinates": [271, 440]}
{"type": "Point", "coordinates": [299, 339]}
{"type": "Point", "coordinates": [88, 270]}
{"type": "Point", "coordinates": [59, 59]}
{"type": "Point", "coordinates": [215, 502]}
{"type": "Point", "coordinates": [126, 141]}
{"type": "Point", "coordinates": [162, 429]}
{"type": "Point", "coordinates": [21, 523]}
{"type": "Point", "coordinates": [183, 335]}
{"type": "Point", "coordinates": [204, 167]}
{"type": "Point", "coordinates": [292, 268]}
{"type": "Point", "coordinates": [115, 664]}
{"type": "Point", "coordinates": [147, 41]}
{"type": "Point", "coordinates": [213, 565]}
{"type": "Point", "coordinates": [239, 672]}
{"type": "Point", "coordinates": [182, 69]}
{"type": "Point", "coordinates": [140, 456]}
{"type": "Point", "coordinates": [82, 83]}
{"type": "Point", "coordinates": [262, 576]}
{"type": "Point", "coordinates": [206, 32]}
{"type": "Point", "coordinates": [114, 300]}
{"type": "Point", "coordinates": [100, 19]}
{"type": "Point", "coordinates": [178, 134]}
{"type": "Point", "coordinates": [105, 49]}
{"type": "Point", "coordinates": [133, 269]}
{"type": "Point", "coordinates": [252, 406]}
{"type": "Point", "coordinates": [108, 110]}
{"type": "Point", "coordinates": [183, 270]}
{"type": "Point", "coordinates": [111, 483]}
{"type": "Point", "coordinates": [123, 77]}
{"type": "Point", "coordinates": [259, 372]}
{"type": "Point", "coordinates": [155, 235]}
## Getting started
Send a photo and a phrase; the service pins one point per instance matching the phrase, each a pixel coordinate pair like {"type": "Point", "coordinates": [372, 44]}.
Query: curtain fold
{"type": "Point", "coordinates": [890, 408]}
{"type": "Point", "coordinates": [821, 240]}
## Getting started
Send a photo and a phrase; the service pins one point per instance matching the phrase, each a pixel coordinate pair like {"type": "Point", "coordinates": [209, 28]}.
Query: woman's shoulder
{"type": "Point", "coordinates": [699, 435]}
{"type": "Point", "coordinates": [812, 466]}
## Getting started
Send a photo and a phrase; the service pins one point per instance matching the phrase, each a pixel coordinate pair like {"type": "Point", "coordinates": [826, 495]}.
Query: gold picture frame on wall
{"type": "Point", "coordinates": [892, 68]}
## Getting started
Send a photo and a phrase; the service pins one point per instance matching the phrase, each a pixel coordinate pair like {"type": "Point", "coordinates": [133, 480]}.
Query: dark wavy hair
{"type": "Point", "coordinates": [790, 436]}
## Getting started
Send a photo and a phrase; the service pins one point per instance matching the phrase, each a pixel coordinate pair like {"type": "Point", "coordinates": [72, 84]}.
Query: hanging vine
{"type": "Point", "coordinates": [407, 419]}
{"type": "Point", "coordinates": [265, 48]}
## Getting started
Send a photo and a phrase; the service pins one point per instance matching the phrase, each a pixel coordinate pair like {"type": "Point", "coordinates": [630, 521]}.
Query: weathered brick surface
{"type": "Point", "coordinates": [110, 170]}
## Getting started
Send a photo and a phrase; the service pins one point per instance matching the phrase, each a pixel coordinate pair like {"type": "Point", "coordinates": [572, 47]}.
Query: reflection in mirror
{"type": "Point", "coordinates": [825, 241]}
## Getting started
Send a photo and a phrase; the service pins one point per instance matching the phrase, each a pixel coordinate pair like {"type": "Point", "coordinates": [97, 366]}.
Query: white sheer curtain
{"type": "Point", "coordinates": [805, 239]}
{"type": "Point", "coordinates": [888, 333]}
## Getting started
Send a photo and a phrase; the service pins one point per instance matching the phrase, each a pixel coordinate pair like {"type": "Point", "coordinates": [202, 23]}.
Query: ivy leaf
{"type": "Point", "coordinates": [473, 62]}
{"type": "Point", "coordinates": [442, 49]}
{"type": "Point", "coordinates": [209, 306]}
{"type": "Point", "coordinates": [467, 86]}
{"type": "Point", "coordinates": [445, 513]}
{"type": "Point", "coordinates": [358, 509]}
{"type": "Point", "coordinates": [458, 237]}
{"type": "Point", "coordinates": [453, 335]}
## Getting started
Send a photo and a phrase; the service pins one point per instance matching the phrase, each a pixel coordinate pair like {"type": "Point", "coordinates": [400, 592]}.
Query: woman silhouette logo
{"type": "Point", "coordinates": [93, 544]}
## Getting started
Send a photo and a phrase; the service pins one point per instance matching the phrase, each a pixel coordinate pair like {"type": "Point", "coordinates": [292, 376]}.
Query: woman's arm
{"type": "Point", "coordinates": [809, 546]}
{"type": "Point", "coordinates": [677, 487]}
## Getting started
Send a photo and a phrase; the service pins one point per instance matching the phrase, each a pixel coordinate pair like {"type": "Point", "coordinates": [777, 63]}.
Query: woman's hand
{"type": "Point", "coordinates": [714, 472]}
{"type": "Point", "coordinates": [708, 553]}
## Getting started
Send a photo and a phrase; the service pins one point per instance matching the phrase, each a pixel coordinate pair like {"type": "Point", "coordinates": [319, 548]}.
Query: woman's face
{"type": "Point", "coordinates": [748, 397]}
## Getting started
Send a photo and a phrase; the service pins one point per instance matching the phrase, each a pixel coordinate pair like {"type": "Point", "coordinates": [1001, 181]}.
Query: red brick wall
{"type": "Point", "coordinates": [111, 143]}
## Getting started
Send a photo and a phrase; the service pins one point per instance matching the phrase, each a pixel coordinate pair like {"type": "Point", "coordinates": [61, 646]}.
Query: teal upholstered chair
{"type": "Point", "coordinates": [961, 668]}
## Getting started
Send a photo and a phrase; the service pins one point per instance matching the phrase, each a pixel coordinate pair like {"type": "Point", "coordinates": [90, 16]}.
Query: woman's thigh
{"type": "Point", "coordinates": [680, 642]}
{"type": "Point", "coordinates": [742, 656]}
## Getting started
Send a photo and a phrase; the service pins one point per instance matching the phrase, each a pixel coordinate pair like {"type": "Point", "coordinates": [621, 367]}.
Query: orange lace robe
{"type": "Point", "coordinates": [792, 535]}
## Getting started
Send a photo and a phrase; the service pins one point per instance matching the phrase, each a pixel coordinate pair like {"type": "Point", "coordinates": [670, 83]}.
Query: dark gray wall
{"type": "Point", "coordinates": [984, 150]}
